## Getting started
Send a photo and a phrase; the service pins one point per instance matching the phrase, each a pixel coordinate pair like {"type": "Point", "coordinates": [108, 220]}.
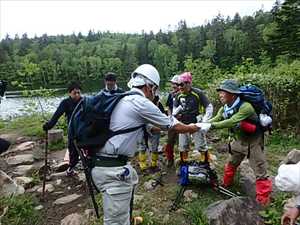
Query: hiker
{"type": "Point", "coordinates": [4, 145]}
{"type": "Point", "coordinates": [66, 107]}
{"type": "Point", "coordinates": [113, 177]}
{"type": "Point", "coordinates": [288, 180]}
{"type": "Point", "coordinates": [192, 100]}
{"type": "Point", "coordinates": [151, 143]}
{"type": "Point", "coordinates": [172, 136]}
{"type": "Point", "coordinates": [110, 81]}
{"type": "Point", "coordinates": [236, 116]}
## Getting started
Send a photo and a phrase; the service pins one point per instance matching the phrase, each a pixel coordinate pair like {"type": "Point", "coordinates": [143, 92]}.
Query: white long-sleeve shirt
{"type": "Point", "coordinates": [133, 111]}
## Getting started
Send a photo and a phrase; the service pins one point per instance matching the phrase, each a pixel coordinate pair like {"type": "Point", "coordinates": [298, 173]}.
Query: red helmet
{"type": "Point", "coordinates": [185, 77]}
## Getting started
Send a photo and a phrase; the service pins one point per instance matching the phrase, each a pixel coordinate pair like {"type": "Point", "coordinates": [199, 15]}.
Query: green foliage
{"type": "Point", "coordinates": [283, 141]}
{"type": "Point", "coordinates": [20, 210]}
{"type": "Point", "coordinates": [273, 212]}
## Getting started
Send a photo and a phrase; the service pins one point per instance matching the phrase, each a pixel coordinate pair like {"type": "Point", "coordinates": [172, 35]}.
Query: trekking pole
{"type": "Point", "coordinates": [177, 200]}
{"type": "Point", "coordinates": [88, 177]}
{"type": "Point", "coordinates": [225, 191]}
{"type": "Point", "coordinates": [46, 164]}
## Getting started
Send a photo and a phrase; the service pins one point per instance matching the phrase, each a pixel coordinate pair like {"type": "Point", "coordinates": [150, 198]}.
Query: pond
{"type": "Point", "coordinates": [13, 107]}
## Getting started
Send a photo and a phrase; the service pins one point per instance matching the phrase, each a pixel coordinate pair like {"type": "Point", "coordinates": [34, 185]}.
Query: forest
{"type": "Point", "coordinates": [263, 49]}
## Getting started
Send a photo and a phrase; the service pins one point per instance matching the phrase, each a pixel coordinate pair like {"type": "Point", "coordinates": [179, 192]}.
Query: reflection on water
{"type": "Point", "coordinates": [12, 107]}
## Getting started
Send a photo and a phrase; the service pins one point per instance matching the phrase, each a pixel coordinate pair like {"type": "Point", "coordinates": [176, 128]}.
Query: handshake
{"type": "Point", "coordinates": [204, 127]}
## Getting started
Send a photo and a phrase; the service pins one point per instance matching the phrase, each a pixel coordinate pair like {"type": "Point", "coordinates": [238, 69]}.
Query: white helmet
{"type": "Point", "coordinates": [175, 79]}
{"type": "Point", "coordinates": [148, 71]}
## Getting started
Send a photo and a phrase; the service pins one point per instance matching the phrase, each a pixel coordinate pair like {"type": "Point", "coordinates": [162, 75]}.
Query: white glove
{"type": "Point", "coordinates": [199, 118]}
{"type": "Point", "coordinates": [204, 127]}
{"type": "Point", "coordinates": [177, 110]}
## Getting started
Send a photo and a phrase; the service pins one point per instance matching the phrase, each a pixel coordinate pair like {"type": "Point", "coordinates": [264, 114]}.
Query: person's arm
{"type": "Point", "coordinates": [208, 112]}
{"type": "Point", "coordinates": [217, 117]}
{"type": "Point", "coordinates": [153, 115]}
{"type": "Point", "coordinates": [245, 111]}
{"type": "Point", "coordinates": [58, 113]}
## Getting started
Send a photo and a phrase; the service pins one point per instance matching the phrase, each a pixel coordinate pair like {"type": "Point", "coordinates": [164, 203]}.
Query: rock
{"type": "Point", "coordinates": [20, 159]}
{"type": "Point", "coordinates": [292, 157]}
{"type": "Point", "coordinates": [26, 182]}
{"type": "Point", "coordinates": [21, 140]}
{"type": "Point", "coordinates": [57, 175]}
{"type": "Point", "coordinates": [8, 186]}
{"type": "Point", "coordinates": [23, 170]}
{"type": "Point", "coordinates": [48, 188]}
{"type": "Point", "coordinates": [67, 199]}
{"type": "Point", "coordinates": [81, 177]}
{"type": "Point", "coordinates": [58, 182]}
{"type": "Point", "coordinates": [33, 189]}
{"type": "Point", "coordinates": [189, 195]}
{"type": "Point", "coordinates": [39, 207]}
{"type": "Point", "coordinates": [3, 164]}
{"type": "Point", "coordinates": [74, 219]}
{"type": "Point", "coordinates": [247, 179]}
{"type": "Point", "coordinates": [89, 213]}
{"type": "Point", "coordinates": [25, 146]}
{"type": "Point", "coordinates": [149, 185]}
{"type": "Point", "coordinates": [55, 135]}
{"type": "Point", "coordinates": [235, 211]}
{"type": "Point", "coordinates": [61, 167]}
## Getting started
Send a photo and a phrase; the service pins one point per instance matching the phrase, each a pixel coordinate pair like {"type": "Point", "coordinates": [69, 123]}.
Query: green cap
{"type": "Point", "coordinates": [230, 86]}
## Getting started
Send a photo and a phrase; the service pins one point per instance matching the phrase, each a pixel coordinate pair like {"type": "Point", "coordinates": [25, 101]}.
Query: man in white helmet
{"type": "Point", "coordinates": [112, 175]}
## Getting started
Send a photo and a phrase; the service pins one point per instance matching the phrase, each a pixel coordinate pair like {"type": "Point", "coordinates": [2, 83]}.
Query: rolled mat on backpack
{"type": "Point", "coordinates": [4, 145]}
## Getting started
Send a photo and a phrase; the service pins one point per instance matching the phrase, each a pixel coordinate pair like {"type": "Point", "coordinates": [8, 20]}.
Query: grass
{"type": "Point", "coordinates": [20, 210]}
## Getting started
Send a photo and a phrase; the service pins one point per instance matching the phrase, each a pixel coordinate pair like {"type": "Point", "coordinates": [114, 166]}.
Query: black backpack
{"type": "Point", "coordinates": [90, 120]}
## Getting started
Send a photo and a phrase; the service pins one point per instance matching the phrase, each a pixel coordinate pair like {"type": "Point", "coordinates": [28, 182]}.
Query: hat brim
{"type": "Point", "coordinates": [229, 91]}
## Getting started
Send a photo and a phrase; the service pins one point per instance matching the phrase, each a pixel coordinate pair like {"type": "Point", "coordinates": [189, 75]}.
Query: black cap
{"type": "Point", "coordinates": [110, 76]}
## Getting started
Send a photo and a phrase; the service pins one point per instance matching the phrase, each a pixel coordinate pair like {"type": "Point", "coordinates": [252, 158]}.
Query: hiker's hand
{"type": "Point", "coordinates": [155, 130]}
{"type": "Point", "coordinates": [290, 216]}
{"type": "Point", "coordinates": [204, 127]}
{"type": "Point", "coordinates": [46, 126]}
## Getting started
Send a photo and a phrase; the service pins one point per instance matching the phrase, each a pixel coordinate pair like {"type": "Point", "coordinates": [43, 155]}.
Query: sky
{"type": "Point", "coordinates": [54, 17]}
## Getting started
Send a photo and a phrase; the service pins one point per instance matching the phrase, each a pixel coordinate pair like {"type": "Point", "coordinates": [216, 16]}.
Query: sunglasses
{"type": "Point", "coordinates": [182, 84]}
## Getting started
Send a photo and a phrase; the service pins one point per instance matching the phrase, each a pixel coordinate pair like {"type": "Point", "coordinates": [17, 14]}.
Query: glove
{"type": "Point", "coordinates": [204, 127]}
{"type": "Point", "coordinates": [46, 126]}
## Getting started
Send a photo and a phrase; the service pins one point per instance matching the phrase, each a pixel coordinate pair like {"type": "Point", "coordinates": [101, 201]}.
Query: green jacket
{"type": "Point", "coordinates": [245, 111]}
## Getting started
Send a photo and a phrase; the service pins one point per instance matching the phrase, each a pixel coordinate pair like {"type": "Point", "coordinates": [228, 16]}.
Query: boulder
{"type": "Point", "coordinates": [292, 157]}
{"type": "Point", "coordinates": [235, 211]}
{"type": "Point", "coordinates": [8, 186]}
{"type": "Point", "coordinates": [247, 179]}
{"type": "Point", "coordinates": [55, 135]}
{"type": "Point", "coordinates": [20, 159]}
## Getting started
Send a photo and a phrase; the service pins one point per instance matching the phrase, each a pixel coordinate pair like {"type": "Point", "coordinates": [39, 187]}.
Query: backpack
{"type": "Point", "coordinates": [255, 96]}
{"type": "Point", "coordinates": [90, 120]}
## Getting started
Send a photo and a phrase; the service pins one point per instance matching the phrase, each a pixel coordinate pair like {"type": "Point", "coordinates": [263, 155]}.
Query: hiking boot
{"type": "Point", "coordinates": [70, 172]}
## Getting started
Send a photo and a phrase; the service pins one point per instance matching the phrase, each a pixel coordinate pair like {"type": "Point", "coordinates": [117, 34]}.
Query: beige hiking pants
{"type": "Point", "coordinates": [253, 150]}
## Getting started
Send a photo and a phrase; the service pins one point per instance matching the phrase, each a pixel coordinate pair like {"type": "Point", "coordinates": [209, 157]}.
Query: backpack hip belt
{"type": "Point", "coordinates": [103, 161]}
